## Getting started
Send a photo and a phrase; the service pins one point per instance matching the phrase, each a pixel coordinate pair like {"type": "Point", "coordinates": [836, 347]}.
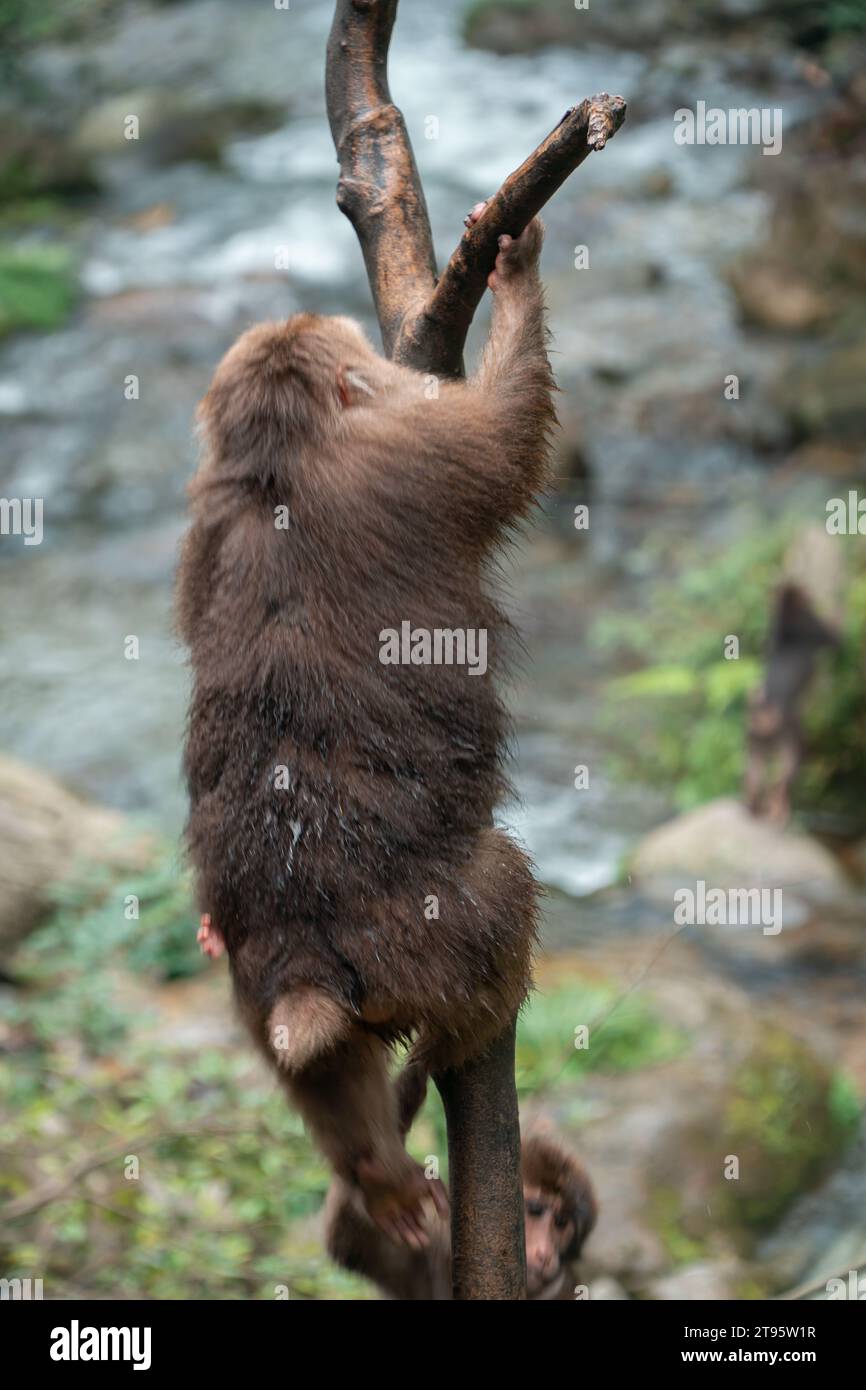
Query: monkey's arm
{"type": "Point", "coordinates": [198, 560]}
{"type": "Point", "coordinates": [479, 450]}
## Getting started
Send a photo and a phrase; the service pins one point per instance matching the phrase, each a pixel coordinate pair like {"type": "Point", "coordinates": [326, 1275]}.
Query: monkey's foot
{"type": "Point", "coordinates": [516, 255]}
{"type": "Point", "coordinates": [398, 1198]}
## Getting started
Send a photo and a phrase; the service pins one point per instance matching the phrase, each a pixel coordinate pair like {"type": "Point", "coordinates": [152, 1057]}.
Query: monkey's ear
{"type": "Point", "coordinates": [353, 387]}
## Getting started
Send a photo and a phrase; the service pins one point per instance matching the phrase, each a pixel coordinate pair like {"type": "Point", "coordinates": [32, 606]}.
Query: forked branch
{"type": "Point", "coordinates": [424, 325]}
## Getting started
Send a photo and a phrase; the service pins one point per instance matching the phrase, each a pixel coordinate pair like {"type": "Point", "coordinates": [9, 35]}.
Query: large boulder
{"type": "Point", "coordinates": [696, 1158]}
{"type": "Point", "coordinates": [723, 844]}
{"type": "Point", "coordinates": [50, 836]}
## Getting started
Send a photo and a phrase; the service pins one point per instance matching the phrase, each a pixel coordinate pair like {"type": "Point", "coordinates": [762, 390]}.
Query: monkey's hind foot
{"type": "Point", "coordinates": [399, 1198]}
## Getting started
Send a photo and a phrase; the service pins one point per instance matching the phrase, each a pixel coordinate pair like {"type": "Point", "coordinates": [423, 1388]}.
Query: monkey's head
{"type": "Point", "coordinates": [559, 1211]}
{"type": "Point", "coordinates": [282, 383]}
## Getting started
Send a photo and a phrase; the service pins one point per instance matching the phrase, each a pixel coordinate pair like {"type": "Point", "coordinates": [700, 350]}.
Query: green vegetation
{"type": "Point", "coordinates": [683, 704]}
{"type": "Point", "coordinates": [666, 1218]}
{"type": "Point", "coordinates": [787, 1116]}
{"type": "Point", "coordinates": [622, 1036]}
{"type": "Point", "coordinates": [846, 16]}
{"type": "Point", "coordinates": [24, 23]}
{"type": "Point", "coordinates": [37, 287]}
{"type": "Point", "coordinates": [27, 213]}
{"type": "Point", "coordinates": [219, 1203]}
{"type": "Point", "coordinates": [153, 1157]}
{"type": "Point", "coordinates": [105, 1061]}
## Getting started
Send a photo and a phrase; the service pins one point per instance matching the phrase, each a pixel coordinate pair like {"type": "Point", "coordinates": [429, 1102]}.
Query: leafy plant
{"type": "Point", "coordinates": [677, 717]}
{"type": "Point", "coordinates": [188, 1176]}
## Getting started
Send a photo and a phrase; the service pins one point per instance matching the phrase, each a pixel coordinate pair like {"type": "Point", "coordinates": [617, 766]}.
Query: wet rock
{"type": "Point", "coordinates": [706, 1281]}
{"type": "Point", "coordinates": [49, 836]}
{"type": "Point", "coordinates": [827, 460]}
{"type": "Point", "coordinates": [519, 26]}
{"type": "Point", "coordinates": [826, 397]}
{"type": "Point", "coordinates": [606, 1290]}
{"type": "Point", "coordinates": [527, 24]}
{"type": "Point", "coordinates": [816, 563]}
{"type": "Point", "coordinates": [172, 126]}
{"type": "Point", "coordinates": [673, 406]}
{"type": "Point", "coordinates": [727, 847]}
{"type": "Point", "coordinates": [824, 1233]}
{"type": "Point", "coordinates": [658, 1140]}
{"type": "Point", "coordinates": [657, 183]}
{"type": "Point", "coordinates": [770, 297]}
{"type": "Point", "coordinates": [784, 1119]}
{"type": "Point", "coordinates": [39, 160]}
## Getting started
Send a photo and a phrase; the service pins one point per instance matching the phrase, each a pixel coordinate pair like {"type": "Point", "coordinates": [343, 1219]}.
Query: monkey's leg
{"type": "Point", "coordinates": [756, 770]}
{"type": "Point", "coordinates": [790, 757]}
{"type": "Point", "coordinates": [339, 1082]}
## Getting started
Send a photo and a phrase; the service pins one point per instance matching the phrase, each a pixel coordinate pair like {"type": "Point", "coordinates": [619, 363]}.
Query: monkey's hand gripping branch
{"type": "Point", "coordinates": [429, 336]}
{"type": "Point", "coordinates": [424, 322]}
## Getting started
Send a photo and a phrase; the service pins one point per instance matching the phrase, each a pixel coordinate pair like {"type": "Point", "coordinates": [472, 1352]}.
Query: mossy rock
{"type": "Point", "coordinates": [788, 1116]}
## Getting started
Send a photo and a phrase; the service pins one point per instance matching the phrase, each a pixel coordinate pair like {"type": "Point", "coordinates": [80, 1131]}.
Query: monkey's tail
{"type": "Point", "coordinates": [303, 1026]}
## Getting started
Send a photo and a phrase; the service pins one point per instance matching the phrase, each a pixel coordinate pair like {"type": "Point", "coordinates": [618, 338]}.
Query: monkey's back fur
{"type": "Point", "coordinates": [333, 798]}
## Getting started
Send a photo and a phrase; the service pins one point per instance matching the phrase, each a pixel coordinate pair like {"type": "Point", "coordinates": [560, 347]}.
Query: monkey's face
{"type": "Point", "coordinates": [559, 1211]}
{"type": "Point", "coordinates": [550, 1234]}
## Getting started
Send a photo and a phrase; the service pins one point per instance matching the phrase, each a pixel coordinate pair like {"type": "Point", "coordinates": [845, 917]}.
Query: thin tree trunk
{"type": "Point", "coordinates": [424, 323]}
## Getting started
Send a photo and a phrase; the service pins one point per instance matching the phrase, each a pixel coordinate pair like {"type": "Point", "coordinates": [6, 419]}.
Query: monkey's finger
{"type": "Point", "coordinates": [439, 1196]}
{"type": "Point", "coordinates": [399, 1227]}
{"type": "Point", "coordinates": [413, 1232]}
{"type": "Point", "coordinates": [391, 1229]}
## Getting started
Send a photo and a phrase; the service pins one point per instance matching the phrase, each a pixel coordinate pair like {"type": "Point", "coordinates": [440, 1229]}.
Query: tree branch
{"type": "Point", "coordinates": [424, 325]}
{"type": "Point", "coordinates": [487, 1241]}
{"type": "Point", "coordinates": [380, 188]}
{"type": "Point", "coordinates": [433, 338]}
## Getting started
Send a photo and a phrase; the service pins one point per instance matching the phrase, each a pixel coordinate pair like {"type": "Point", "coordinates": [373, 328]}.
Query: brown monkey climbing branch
{"type": "Point", "coordinates": [424, 322]}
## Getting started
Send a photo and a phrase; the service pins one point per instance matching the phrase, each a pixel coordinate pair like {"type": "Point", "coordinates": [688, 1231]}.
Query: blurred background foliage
{"type": "Point", "coordinates": [116, 1042]}
{"type": "Point", "coordinates": [684, 705]}
{"type": "Point", "coordinates": [227, 1182]}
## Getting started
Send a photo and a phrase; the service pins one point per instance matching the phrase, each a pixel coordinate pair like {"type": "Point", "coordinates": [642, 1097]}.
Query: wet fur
{"type": "Point", "coordinates": [396, 504]}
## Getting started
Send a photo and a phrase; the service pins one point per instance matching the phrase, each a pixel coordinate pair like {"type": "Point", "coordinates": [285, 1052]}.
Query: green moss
{"type": "Point", "coordinates": [27, 213]}
{"type": "Point", "coordinates": [787, 1117]}
{"type": "Point", "coordinates": [846, 16]}
{"type": "Point", "coordinates": [751, 1289]}
{"type": "Point", "coordinates": [37, 287]}
{"type": "Point", "coordinates": [25, 23]}
{"type": "Point", "coordinates": [664, 1218]}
